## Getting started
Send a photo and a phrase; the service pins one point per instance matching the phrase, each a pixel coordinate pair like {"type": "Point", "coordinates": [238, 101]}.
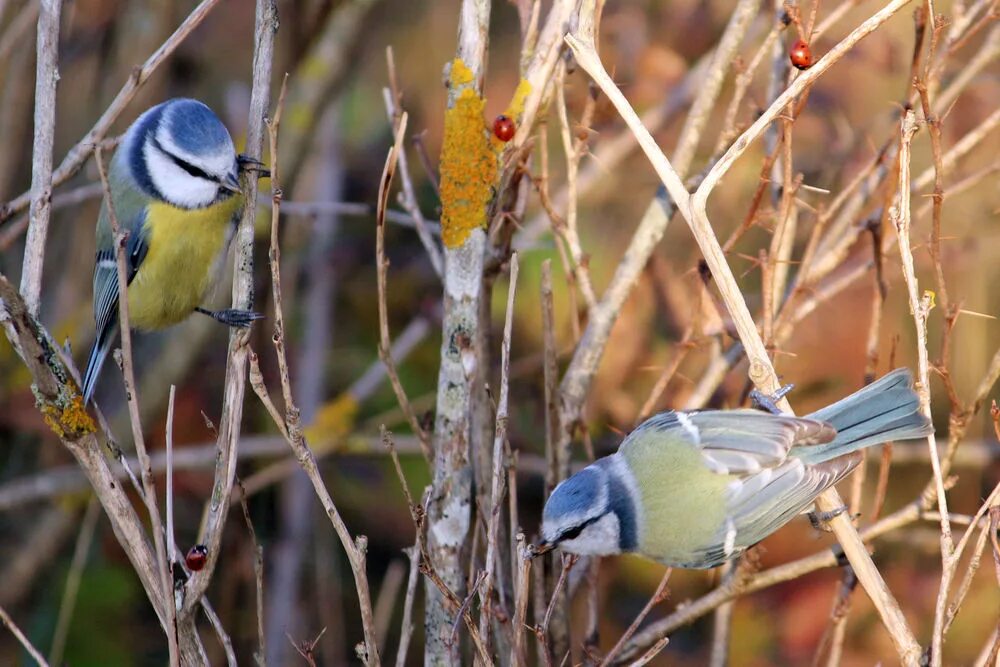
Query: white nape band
{"type": "Point", "coordinates": [688, 425]}
{"type": "Point", "coordinates": [730, 543]}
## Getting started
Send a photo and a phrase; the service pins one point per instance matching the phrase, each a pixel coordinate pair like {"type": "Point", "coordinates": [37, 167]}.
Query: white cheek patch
{"type": "Point", "coordinates": [689, 427]}
{"type": "Point", "coordinates": [176, 185]}
{"type": "Point", "coordinates": [598, 539]}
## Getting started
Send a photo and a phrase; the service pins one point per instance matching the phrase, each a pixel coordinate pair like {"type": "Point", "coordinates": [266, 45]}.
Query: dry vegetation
{"type": "Point", "coordinates": [829, 224]}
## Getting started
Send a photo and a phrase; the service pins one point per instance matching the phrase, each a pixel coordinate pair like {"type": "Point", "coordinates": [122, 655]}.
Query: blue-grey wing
{"type": "Point", "coordinates": [738, 442]}
{"type": "Point", "coordinates": [106, 290]}
{"type": "Point", "coordinates": [106, 275]}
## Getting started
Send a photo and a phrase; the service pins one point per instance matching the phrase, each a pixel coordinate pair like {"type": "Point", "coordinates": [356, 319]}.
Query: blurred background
{"type": "Point", "coordinates": [333, 143]}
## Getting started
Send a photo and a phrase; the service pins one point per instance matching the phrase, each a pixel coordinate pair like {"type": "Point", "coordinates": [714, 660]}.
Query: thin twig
{"type": "Point", "coordinates": [16, 631]}
{"type": "Point", "coordinates": [145, 469]}
{"type": "Point", "coordinates": [258, 571]}
{"type": "Point", "coordinates": [920, 307]}
{"type": "Point", "coordinates": [382, 266]}
{"type": "Point", "coordinates": [413, 553]}
{"type": "Point", "coordinates": [169, 445]}
{"type": "Point", "coordinates": [68, 604]}
{"type": "Point", "coordinates": [46, 78]}
{"type": "Point", "coordinates": [265, 27]}
{"type": "Point", "coordinates": [658, 596]}
{"type": "Point", "coordinates": [292, 426]}
{"type": "Point", "coordinates": [499, 445]}
{"type": "Point", "coordinates": [408, 197]}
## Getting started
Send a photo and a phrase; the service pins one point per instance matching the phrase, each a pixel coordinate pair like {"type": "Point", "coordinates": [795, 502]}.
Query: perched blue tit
{"type": "Point", "coordinates": [174, 183]}
{"type": "Point", "coordinates": [695, 489]}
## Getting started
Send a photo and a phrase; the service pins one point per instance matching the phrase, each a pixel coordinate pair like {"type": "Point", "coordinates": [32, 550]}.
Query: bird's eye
{"type": "Point", "coordinates": [573, 533]}
{"type": "Point", "coordinates": [191, 169]}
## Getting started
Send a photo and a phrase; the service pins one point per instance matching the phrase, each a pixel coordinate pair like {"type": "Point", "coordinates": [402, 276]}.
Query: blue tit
{"type": "Point", "coordinates": [695, 489]}
{"type": "Point", "coordinates": [174, 182]}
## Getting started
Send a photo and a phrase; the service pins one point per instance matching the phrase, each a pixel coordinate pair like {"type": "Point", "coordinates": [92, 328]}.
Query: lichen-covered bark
{"type": "Point", "coordinates": [468, 176]}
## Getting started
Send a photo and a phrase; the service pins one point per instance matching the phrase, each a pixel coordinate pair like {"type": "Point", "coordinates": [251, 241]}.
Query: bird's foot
{"type": "Point", "coordinates": [820, 520]}
{"type": "Point", "coordinates": [232, 317]}
{"type": "Point", "coordinates": [247, 163]}
{"type": "Point", "coordinates": [769, 402]}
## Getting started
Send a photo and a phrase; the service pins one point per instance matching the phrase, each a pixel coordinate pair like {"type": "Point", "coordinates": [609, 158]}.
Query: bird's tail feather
{"type": "Point", "coordinates": [887, 409]}
{"type": "Point", "coordinates": [98, 353]}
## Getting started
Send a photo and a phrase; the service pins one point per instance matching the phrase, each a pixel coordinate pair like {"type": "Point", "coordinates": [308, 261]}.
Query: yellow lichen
{"type": "Point", "coordinates": [333, 421]}
{"type": "Point", "coordinates": [460, 74]}
{"type": "Point", "coordinates": [70, 421]}
{"type": "Point", "coordinates": [468, 162]}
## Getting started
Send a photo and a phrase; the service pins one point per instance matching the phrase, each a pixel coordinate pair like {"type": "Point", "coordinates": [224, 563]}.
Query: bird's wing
{"type": "Point", "coordinates": [106, 271]}
{"type": "Point", "coordinates": [738, 442]}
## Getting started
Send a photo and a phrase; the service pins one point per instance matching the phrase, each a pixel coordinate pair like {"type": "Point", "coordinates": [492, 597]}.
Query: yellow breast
{"type": "Point", "coordinates": [684, 499]}
{"type": "Point", "coordinates": [184, 246]}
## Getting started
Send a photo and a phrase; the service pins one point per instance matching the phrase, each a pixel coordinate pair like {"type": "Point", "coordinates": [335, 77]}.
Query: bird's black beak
{"type": "Point", "coordinates": [247, 163]}
{"type": "Point", "coordinates": [542, 547]}
{"type": "Point", "coordinates": [231, 182]}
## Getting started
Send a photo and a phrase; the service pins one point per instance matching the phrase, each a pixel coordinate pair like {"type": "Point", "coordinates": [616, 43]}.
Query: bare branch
{"type": "Point", "coordinates": [46, 78]}
{"type": "Point", "coordinates": [265, 27]}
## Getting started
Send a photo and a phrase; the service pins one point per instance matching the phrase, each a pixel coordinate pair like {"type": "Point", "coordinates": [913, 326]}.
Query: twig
{"type": "Point", "coordinates": [258, 571]}
{"type": "Point", "coordinates": [307, 649]}
{"type": "Point", "coordinates": [920, 307]}
{"type": "Point", "coordinates": [382, 265]}
{"type": "Point", "coordinates": [81, 151]}
{"type": "Point", "coordinates": [385, 601]}
{"type": "Point", "coordinates": [659, 595]}
{"type": "Point", "coordinates": [79, 562]}
{"type": "Point", "coordinates": [722, 622]}
{"type": "Point", "coordinates": [354, 547]}
{"type": "Point", "coordinates": [408, 197]}
{"type": "Point", "coordinates": [413, 553]}
{"type": "Point", "coordinates": [653, 651]}
{"type": "Point", "coordinates": [145, 469]}
{"type": "Point", "coordinates": [265, 27]}
{"type": "Point", "coordinates": [220, 632]}
{"type": "Point", "coordinates": [567, 229]}
{"type": "Point", "coordinates": [46, 78]}
{"type": "Point", "coordinates": [568, 561]}
{"type": "Point", "coordinates": [557, 459]}
{"type": "Point", "coordinates": [499, 445]}
{"type": "Point", "coordinates": [16, 631]}
{"type": "Point", "coordinates": [522, 582]}
{"type": "Point", "coordinates": [171, 552]}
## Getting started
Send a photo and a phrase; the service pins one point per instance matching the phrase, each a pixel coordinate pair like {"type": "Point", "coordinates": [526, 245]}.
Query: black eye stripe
{"type": "Point", "coordinates": [574, 532]}
{"type": "Point", "coordinates": [191, 169]}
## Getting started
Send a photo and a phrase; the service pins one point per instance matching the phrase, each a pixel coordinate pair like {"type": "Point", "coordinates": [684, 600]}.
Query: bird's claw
{"type": "Point", "coordinates": [769, 402]}
{"type": "Point", "coordinates": [820, 520]}
{"type": "Point", "coordinates": [233, 317]}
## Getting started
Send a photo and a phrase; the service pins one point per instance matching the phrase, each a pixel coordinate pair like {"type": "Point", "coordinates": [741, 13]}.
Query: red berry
{"type": "Point", "coordinates": [196, 557]}
{"type": "Point", "coordinates": [801, 55]}
{"type": "Point", "coordinates": [504, 128]}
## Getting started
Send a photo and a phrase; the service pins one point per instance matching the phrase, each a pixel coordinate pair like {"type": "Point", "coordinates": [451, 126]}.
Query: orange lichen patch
{"type": "Point", "coordinates": [468, 162]}
{"type": "Point", "coordinates": [333, 421]}
{"type": "Point", "coordinates": [513, 110]}
{"type": "Point", "coordinates": [70, 421]}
